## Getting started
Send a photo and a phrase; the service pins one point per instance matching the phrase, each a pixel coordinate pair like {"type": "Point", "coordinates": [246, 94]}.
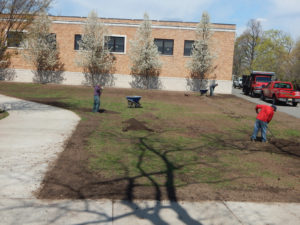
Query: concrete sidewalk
{"type": "Point", "coordinates": [31, 137]}
{"type": "Point", "coordinates": [30, 140]}
{"type": "Point", "coordinates": [37, 212]}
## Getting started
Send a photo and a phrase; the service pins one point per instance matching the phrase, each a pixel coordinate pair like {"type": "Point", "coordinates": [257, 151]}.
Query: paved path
{"type": "Point", "coordinates": [289, 109]}
{"type": "Point", "coordinates": [30, 140]}
{"type": "Point", "coordinates": [31, 137]}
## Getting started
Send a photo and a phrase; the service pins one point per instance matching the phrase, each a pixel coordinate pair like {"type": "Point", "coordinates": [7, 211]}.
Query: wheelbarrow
{"type": "Point", "coordinates": [203, 91]}
{"type": "Point", "coordinates": [134, 101]}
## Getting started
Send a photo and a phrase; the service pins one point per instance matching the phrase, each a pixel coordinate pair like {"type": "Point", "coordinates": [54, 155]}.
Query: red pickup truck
{"type": "Point", "coordinates": [280, 91]}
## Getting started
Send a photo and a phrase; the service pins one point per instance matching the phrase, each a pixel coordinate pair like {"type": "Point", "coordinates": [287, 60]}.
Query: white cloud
{"type": "Point", "coordinates": [285, 7]}
{"type": "Point", "coordinates": [262, 20]}
{"type": "Point", "coordinates": [282, 15]}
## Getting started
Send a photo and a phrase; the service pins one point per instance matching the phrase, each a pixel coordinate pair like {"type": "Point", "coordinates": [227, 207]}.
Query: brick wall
{"type": "Point", "coordinates": [173, 66]}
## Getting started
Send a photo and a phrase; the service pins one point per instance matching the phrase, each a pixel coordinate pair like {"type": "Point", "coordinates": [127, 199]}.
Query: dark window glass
{"type": "Point", "coordinates": [188, 46]}
{"type": "Point", "coordinates": [284, 85]}
{"type": "Point", "coordinates": [51, 38]}
{"type": "Point", "coordinates": [116, 44]}
{"type": "Point", "coordinates": [263, 79]}
{"type": "Point", "coordinates": [159, 44]}
{"type": "Point", "coordinates": [164, 46]}
{"type": "Point", "coordinates": [77, 39]}
{"type": "Point", "coordinates": [14, 38]}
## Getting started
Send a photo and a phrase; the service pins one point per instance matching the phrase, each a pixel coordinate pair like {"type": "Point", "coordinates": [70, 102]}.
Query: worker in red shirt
{"type": "Point", "coordinates": [265, 115]}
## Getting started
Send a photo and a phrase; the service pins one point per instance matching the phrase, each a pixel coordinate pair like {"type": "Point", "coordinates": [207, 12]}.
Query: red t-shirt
{"type": "Point", "coordinates": [265, 114]}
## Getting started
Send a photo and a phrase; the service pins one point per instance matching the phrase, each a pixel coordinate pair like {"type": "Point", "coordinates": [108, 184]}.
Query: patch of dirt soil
{"type": "Point", "coordinates": [70, 176]}
{"type": "Point", "coordinates": [133, 124]}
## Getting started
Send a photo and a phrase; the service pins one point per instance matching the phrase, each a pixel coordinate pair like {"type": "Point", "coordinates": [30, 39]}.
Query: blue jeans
{"type": "Point", "coordinates": [211, 90]}
{"type": "Point", "coordinates": [96, 103]}
{"type": "Point", "coordinates": [260, 125]}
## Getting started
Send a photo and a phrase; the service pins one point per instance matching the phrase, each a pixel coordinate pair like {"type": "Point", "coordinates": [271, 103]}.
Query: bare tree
{"type": "Point", "coordinates": [202, 58]}
{"type": "Point", "coordinates": [144, 55]}
{"type": "Point", "coordinates": [240, 62]}
{"type": "Point", "coordinates": [41, 49]}
{"type": "Point", "coordinates": [94, 55]}
{"type": "Point", "coordinates": [247, 45]}
{"type": "Point", "coordinates": [16, 15]}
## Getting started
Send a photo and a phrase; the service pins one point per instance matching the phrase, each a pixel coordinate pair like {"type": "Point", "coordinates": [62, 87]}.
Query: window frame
{"type": "Point", "coordinates": [118, 36]}
{"type": "Point", "coordinates": [15, 47]}
{"type": "Point", "coordinates": [76, 43]}
{"type": "Point", "coordinates": [163, 46]}
{"type": "Point", "coordinates": [184, 48]}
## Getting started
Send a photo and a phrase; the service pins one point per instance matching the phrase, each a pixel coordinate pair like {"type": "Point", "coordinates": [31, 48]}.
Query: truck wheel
{"type": "Point", "coordinates": [295, 104]}
{"type": "Point", "coordinates": [262, 96]}
{"type": "Point", "coordinates": [274, 100]}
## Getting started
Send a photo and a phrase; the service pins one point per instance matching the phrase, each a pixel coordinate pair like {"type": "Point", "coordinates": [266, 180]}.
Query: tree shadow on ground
{"type": "Point", "coordinates": [126, 185]}
{"type": "Point", "coordinates": [84, 212]}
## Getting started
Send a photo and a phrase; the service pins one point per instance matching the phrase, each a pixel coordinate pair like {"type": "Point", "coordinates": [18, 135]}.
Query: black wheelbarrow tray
{"type": "Point", "coordinates": [203, 91]}
{"type": "Point", "coordinates": [134, 101]}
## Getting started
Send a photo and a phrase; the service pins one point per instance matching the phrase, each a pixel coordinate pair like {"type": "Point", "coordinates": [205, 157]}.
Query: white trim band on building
{"type": "Point", "coordinates": [137, 25]}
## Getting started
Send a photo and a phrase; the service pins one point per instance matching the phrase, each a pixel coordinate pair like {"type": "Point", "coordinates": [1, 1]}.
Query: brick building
{"type": "Point", "coordinates": [173, 38]}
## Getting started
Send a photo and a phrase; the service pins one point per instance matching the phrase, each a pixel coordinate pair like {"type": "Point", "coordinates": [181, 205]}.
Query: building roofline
{"type": "Point", "coordinates": [170, 21]}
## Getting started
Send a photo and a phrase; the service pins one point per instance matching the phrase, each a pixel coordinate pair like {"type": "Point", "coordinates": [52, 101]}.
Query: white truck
{"type": "Point", "coordinates": [237, 83]}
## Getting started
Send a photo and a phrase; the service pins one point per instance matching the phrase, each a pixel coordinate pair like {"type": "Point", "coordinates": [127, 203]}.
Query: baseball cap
{"type": "Point", "coordinates": [274, 107]}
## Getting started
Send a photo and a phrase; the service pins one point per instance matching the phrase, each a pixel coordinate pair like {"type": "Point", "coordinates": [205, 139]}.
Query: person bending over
{"type": "Point", "coordinates": [264, 116]}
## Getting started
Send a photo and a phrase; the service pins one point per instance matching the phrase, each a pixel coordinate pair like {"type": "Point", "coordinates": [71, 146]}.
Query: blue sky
{"type": "Point", "coordinates": [273, 14]}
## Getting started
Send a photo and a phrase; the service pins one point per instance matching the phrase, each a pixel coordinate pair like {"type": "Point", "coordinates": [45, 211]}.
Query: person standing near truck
{"type": "Point", "coordinates": [97, 93]}
{"type": "Point", "coordinates": [264, 116]}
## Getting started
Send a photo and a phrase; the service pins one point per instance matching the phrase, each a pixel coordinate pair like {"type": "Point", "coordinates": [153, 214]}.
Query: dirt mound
{"type": "Point", "coordinates": [133, 124]}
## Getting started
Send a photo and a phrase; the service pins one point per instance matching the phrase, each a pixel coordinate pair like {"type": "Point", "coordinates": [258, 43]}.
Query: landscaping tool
{"type": "Point", "coordinates": [134, 101]}
{"type": "Point", "coordinates": [272, 135]}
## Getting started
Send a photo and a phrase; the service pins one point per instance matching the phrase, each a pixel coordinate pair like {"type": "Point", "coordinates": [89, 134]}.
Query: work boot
{"type": "Point", "coordinates": [253, 140]}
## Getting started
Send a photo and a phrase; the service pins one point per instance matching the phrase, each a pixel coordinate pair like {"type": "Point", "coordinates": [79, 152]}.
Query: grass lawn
{"type": "Point", "coordinates": [3, 115]}
{"type": "Point", "coordinates": [175, 147]}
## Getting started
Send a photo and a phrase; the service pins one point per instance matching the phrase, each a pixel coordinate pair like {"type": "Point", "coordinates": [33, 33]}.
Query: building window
{"type": "Point", "coordinates": [77, 39]}
{"type": "Point", "coordinates": [51, 39]}
{"type": "Point", "coordinates": [116, 44]}
{"type": "Point", "coordinates": [164, 46]}
{"type": "Point", "coordinates": [188, 46]}
{"type": "Point", "coordinates": [14, 39]}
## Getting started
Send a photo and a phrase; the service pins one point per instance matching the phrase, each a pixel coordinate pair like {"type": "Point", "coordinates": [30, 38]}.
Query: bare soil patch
{"type": "Point", "coordinates": [71, 177]}
{"type": "Point", "coordinates": [133, 124]}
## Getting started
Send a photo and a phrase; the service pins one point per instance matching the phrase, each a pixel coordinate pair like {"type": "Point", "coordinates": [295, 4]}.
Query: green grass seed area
{"type": "Point", "coordinates": [3, 115]}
